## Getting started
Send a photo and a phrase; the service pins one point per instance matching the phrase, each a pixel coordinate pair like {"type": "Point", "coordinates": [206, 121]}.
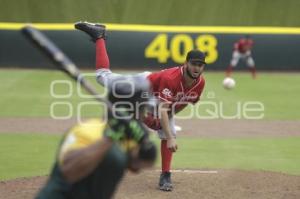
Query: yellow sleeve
{"type": "Point", "coordinates": [82, 135]}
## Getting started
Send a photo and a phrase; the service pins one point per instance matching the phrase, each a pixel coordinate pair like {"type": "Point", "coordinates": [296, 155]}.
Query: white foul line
{"type": "Point", "coordinates": [192, 171]}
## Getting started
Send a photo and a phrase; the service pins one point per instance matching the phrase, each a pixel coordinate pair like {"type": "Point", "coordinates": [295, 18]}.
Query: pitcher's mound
{"type": "Point", "coordinates": [221, 184]}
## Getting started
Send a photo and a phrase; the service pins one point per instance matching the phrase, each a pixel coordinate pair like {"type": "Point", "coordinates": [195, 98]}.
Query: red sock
{"type": "Point", "coordinates": [228, 71]}
{"type": "Point", "coordinates": [102, 60]}
{"type": "Point", "coordinates": [166, 157]}
{"type": "Point", "coordinates": [253, 72]}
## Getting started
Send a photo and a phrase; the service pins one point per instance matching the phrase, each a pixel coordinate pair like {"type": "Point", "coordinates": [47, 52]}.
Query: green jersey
{"type": "Point", "coordinates": [102, 182]}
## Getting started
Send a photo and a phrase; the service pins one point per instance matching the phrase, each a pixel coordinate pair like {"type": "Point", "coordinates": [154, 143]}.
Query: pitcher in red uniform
{"type": "Point", "coordinates": [174, 88]}
{"type": "Point", "coordinates": [242, 50]}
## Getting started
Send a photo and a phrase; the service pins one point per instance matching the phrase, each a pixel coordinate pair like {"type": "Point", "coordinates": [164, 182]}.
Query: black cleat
{"type": "Point", "coordinates": [95, 31]}
{"type": "Point", "coordinates": [165, 183]}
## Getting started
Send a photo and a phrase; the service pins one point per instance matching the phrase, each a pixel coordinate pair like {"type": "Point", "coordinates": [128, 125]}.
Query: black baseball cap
{"type": "Point", "coordinates": [196, 56]}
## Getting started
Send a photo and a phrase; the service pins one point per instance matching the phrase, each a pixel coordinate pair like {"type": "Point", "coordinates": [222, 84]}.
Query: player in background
{"type": "Point", "coordinates": [242, 50]}
{"type": "Point", "coordinates": [94, 155]}
{"type": "Point", "coordinates": [174, 87]}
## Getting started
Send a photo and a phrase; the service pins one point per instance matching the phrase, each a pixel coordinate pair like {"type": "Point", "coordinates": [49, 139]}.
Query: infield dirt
{"type": "Point", "coordinates": [223, 184]}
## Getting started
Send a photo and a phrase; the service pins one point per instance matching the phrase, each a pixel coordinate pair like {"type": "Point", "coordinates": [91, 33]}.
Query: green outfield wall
{"type": "Point", "coordinates": [164, 12]}
{"type": "Point", "coordinates": [155, 47]}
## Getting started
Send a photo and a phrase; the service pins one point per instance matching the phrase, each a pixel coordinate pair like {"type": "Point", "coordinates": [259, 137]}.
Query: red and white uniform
{"type": "Point", "coordinates": [169, 86]}
{"type": "Point", "coordinates": [243, 45]}
{"type": "Point", "coordinates": [242, 50]}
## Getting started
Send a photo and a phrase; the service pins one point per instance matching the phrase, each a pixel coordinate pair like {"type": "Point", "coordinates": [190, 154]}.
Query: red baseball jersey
{"type": "Point", "coordinates": [168, 86]}
{"type": "Point", "coordinates": [243, 45]}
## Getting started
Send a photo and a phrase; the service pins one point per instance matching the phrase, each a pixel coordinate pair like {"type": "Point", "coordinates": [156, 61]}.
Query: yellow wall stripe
{"type": "Point", "coordinates": [160, 28]}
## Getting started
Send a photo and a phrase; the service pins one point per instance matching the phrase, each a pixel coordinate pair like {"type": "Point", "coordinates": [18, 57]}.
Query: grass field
{"type": "Point", "coordinates": [33, 154]}
{"type": "Point", "coordinates": [26, 94]}
{"type": "Point", "coordinates": [29, 92]}
{"type": "Point", "coordinates": [24, 155]}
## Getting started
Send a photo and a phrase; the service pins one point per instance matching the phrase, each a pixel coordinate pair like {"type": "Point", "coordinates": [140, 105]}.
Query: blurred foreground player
{"type": "Point", "coordinates": [93, 155]}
